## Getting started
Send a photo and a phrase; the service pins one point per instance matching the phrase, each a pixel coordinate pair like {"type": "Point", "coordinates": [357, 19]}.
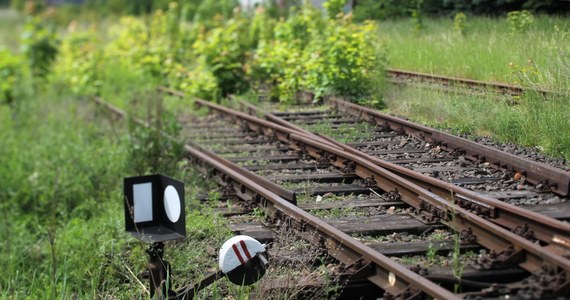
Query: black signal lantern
{"type": "Point", "coordinates": [154, 208]}
{"type": "Point", "coordinates": [154, 213]}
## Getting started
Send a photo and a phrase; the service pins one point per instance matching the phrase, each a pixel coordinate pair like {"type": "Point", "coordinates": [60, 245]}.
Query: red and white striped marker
{"type": "Point", "coordinates": [242, 259]}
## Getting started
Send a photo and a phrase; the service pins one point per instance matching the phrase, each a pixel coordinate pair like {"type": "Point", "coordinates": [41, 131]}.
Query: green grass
{"type": "Point", "coordinates": [61, 215]}
{"type": "Point", "coordinates": [533, 122]}
{"type": "Point", "coordinates": [487, 51]}
{"type": "Point", "coordinates": [538, 58]}
{"type": "Point", "coordinates": [61, 208]}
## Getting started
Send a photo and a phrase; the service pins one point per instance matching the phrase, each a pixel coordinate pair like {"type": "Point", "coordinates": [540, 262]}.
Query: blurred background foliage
{"type": "Point", "coordinates": [363, 9]}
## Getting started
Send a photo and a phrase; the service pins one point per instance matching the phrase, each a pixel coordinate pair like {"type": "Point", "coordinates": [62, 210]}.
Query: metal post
{"type": "Point", "coordinates": [159, 272]}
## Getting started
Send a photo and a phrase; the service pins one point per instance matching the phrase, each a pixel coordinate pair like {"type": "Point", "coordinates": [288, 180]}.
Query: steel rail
{"type": "Point", "coordinates": [339, 245]}
{"type": "Point", "coordinates": [535, 172]}
{"type": "Point", "coordinates": [516, 249]}
{"type": "Point", "coordinates": [377, 268]}
{"type": "Point", "coordinates": [545, 229]}
{"type": "Point", "coordinates": [504, 88]}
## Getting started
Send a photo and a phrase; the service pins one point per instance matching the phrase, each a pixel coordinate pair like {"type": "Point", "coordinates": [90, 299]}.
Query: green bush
{"type": "Point", "coordinates": [304, 51]}
{"type": "Point", "coordinates": [196, 80]}
{"type": "Point", "coordinates": [382, 9]}
{"type": "Point", "coordinates": [519, 21]}
{"type": "Point", "coordinates": [334, 7]}
{"type": "Point", "coordinates": [225, 50]}
{"type": "Point", "coordinates": [80, 62]}
{"type": "Point", "coordinates": [12, 72]}
{"type": "Point", "coordinates": [460, 23]}
{"type": "Point", "coordinates": [326, 56]}
{"type": "Point", "coordinates": [209, 10]}
{"type": "Point", "coordinates": [40, 45]}
{"type": "Point", "coordinates": [345, 61]}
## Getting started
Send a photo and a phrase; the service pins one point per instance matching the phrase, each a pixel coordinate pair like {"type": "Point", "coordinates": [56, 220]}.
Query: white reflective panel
{"type": "Point", "coordinates": [142, 194]}
{"type": "Point", "coordinates": [172, 204]}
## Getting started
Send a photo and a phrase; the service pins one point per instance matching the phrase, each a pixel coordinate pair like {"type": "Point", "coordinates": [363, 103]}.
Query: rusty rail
{"type": "Point", "coordinates": [535, 172]}
{"type": "Point", "coordinates": [514, 249]}
{"type": "Point", "coordinates": [507, 248]}
{"type": "Point", "coordinates": [546, 229]}
{"type": "Point", "coordinates": [370, 264]}
{"type": "Point", "coordinates": [503, 88]}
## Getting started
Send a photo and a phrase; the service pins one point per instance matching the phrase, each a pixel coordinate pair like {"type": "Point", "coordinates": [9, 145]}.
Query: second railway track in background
{"type": "Point", "coordinates": [403, 77]}
{"type": "Point", "coordinates": [315, 174]}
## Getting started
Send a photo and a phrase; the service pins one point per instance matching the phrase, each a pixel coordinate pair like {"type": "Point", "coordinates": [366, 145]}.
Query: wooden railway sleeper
{"type": "Point", "coordinates": [248, 197]}
{"type": "Point", "coordinates": [302, 151]}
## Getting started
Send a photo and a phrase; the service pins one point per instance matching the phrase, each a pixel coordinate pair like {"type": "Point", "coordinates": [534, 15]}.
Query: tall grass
{"type": "Point", "coordinates": [533, 122]}
{"type": "Point", "coordinates": [61, 216]}
{"type": "Point", "coordinates": [60, 207]}
{"type": "Point", "coordinates": [537, 58]}
{"type": "Point", "coordinates": [487, 50]}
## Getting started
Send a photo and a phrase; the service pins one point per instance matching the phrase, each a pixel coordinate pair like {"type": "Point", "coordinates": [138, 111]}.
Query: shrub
{"type": "Point", "coordinates": [325, 56]}
{"type": "Point", "coordinates": [40, 46]}
{"type": "Point", "coordinates": [334, 7]}
{"type": "Point", "coordinates": [417, 16]}
{"type": "Point", "coordinates": [79, 62]}
{"type": "Point", "coordinates": [345, 61]}
{"type": "Point", "coordinates": [209, 10]}
{"type": "Point", "coordinates": [460, 23]}
{"type": "Point", "coordinates": [11, 74]}
{"type": "Point", "coordinates": [196, 80]}
{"type": "Point", "coordinates": [129, 46]}
{"type": "Point", "coordinates": [382, 9]}
{"type": "Point", "coordinates": [225, 49]}
{"type": "Point", "coordinates": [519, 21]}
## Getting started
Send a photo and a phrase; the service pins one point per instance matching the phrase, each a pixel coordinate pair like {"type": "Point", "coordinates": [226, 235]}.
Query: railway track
{"type": "Point", "coordinates": [287, 171]}
{"type": "Point", "coordinates": [403, 77]}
